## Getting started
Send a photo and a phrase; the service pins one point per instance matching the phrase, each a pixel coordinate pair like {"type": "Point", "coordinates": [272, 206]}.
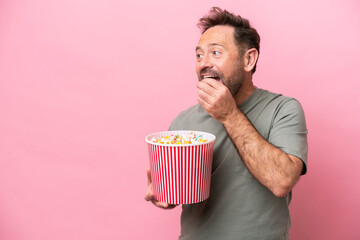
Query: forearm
{"type": "Point", "coordinates": [269, 165]}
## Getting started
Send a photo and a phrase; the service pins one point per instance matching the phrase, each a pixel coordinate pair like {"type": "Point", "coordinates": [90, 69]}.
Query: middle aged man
{"type": "Point", "coordinates": [261, 139]}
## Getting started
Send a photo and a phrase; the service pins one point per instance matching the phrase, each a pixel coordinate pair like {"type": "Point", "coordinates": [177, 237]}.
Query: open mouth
{"type": "Point", "coordinates": [210, 76]}
{"type": "Point", "coordinates": [210, 73]}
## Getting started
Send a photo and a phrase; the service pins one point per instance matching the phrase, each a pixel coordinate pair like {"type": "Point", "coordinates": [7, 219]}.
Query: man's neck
{"type": "Point", "coordinates": [245, 91]}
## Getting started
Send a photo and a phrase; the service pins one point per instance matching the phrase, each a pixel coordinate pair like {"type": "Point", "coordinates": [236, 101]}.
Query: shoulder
{"type": "Point", "coordinates": [272, 109]}
{"type": "Point", "coordinates": [284, 110]}
{"type": "Point", "coordinates": [279, 101]}
{"type": "Point", "coordinates": [188, 117]}
{"type": "Point", "coordinates": [191, 110]}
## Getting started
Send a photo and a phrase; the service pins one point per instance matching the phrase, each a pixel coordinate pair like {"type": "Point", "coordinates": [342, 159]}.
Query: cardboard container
{"type": "Point", "coordinates": [181, 173]}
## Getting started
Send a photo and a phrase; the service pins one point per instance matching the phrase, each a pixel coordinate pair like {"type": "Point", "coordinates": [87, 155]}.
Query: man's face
{"type": "Point", "coordinates": [218, 57]}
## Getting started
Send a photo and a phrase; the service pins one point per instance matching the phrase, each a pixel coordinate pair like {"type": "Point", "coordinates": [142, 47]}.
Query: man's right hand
{"type": "Point", "coordinates": [149, 196]}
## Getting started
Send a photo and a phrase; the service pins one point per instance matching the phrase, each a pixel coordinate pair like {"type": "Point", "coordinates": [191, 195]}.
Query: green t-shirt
{"type": "Point", "coordinates": [239, 207]}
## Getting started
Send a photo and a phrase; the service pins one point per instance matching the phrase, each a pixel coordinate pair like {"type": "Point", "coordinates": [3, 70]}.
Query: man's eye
{"type": "Point", "coordinates": [216, 53]}
{"type": "Point", "coordinates": [198, 56]}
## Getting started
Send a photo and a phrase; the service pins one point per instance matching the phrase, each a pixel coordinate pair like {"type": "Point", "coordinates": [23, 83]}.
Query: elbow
{"type": "Point", "coordinates": [280, 193]}
{"type": "Point", "coordinates": [282, 189]}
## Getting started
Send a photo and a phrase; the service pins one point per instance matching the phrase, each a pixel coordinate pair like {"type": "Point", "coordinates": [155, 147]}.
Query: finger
{"type": "Point", "coordinates": [165, 205]}
{"type": "Point", "coordinates": [207, 93]}
{"type": "Point", "coordinates": [211, 87]}
{"type": "Point", "coordinates": [206, 87]}
{"type": "Point", "coordinates": [149, 196]}
{"type": "Point", "coordinates": [148, 173]}
{"type": "Point", "coordinates": [161, 204]}
{"type": "Point", "coordinates": [212, 82]}
{"type": "Point", "coordinates": [204, 104]}
{"type": "Point", "coordinates": [205, 97]}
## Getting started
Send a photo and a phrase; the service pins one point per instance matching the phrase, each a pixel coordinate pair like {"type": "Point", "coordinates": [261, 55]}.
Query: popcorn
{"type": "Point", "coordinates": [190, 138]}
{"type": "Point", "coordinates": [174, 157]}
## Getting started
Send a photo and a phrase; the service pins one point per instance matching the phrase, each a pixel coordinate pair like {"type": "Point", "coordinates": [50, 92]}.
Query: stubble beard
{"type": "Point", "coordinates": [235, 81]}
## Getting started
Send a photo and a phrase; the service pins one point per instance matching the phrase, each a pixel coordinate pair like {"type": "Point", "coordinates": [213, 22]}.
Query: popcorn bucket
{"type": "Point", "coordinates": [180, 173]}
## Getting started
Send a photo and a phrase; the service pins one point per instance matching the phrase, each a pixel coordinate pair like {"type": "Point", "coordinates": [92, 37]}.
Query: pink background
{"type": "Point", "coordinates": [82, 82]}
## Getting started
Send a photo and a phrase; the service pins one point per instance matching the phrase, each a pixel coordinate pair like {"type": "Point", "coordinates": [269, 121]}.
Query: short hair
{"type": "Point", "coordinates": [246, 37]}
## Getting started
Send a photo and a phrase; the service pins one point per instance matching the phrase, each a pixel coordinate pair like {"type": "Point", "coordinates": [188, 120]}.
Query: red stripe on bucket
{"type": "Point", "coordinates": [181, 174]}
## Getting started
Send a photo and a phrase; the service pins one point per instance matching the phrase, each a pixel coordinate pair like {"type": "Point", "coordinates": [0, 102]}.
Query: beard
{"type": "Point", "coordinates": [233, 82]}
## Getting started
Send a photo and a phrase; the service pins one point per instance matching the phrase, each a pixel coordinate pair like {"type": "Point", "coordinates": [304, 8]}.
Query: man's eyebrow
{"type": "Point", "coordinates": [210, 45]}
{"type": "Point", "coordinates": [216, 44]}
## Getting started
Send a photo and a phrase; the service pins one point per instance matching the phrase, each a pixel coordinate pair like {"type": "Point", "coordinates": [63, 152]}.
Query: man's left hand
{"type": "Point", "coordinates": [216, 99]}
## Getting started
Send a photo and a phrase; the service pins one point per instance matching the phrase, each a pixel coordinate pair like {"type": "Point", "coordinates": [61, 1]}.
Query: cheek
{"type": "Point", "coordinates": [224, 65]}
{"type": "Point", "coordinates": [232, 67]}
{"type": "Point", "coordinates": [224, 69]}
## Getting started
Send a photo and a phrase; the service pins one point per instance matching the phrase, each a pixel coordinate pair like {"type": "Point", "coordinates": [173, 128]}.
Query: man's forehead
{"type": "Point", "coordinates": [218, 35]}
{"type": "Point", "coordinates": [220, 28]}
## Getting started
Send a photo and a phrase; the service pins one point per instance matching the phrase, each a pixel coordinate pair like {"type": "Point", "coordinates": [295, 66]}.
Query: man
{"type": "Point", "coordinates": [261, 139]}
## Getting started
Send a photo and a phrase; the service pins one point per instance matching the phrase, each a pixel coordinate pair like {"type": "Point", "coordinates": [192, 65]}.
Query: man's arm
{"type": "Point", "coordinates": [272, 167]}
{"type": "Point", "coordinates": [275, 169]}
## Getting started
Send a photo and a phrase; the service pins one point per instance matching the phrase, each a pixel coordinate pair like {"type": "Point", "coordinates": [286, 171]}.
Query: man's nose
{"type": "Point", "coordinates": [206, 62]}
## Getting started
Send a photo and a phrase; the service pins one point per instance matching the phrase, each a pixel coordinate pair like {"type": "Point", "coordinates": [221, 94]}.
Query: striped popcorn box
{"type": "Point", "coordinates": [180, 173]}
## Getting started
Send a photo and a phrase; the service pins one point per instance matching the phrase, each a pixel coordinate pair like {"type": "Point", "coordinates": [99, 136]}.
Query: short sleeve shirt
{"type": "Point", "coordinates": [239, 207]}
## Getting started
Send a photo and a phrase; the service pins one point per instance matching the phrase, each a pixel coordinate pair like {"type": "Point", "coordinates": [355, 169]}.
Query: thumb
{"type": "Point", "coordinates": [148, 173]}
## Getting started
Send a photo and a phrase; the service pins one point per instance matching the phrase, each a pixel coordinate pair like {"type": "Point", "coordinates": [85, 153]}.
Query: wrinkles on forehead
{"type": "Point", "coordinates": [209, 45]}
{"type": "Point", "coordinates": [222, 36]}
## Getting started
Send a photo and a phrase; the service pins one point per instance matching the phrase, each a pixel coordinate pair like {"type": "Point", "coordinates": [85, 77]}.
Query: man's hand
{"type": "Point", "coordinates": [149, 196]}
{"type": "Point", "coordinates": [216, 99]}
{"type": "Point", "coordinates": [272, 167]}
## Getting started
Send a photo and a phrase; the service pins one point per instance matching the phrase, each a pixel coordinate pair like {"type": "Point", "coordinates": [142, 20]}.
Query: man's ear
{"type": "Point", "coordinates": [250, 59]}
